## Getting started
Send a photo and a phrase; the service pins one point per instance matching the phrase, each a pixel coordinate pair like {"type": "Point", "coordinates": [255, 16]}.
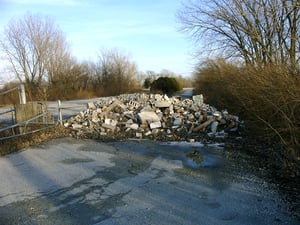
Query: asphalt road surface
{"type": "Point", "coordinates": [85, 182]}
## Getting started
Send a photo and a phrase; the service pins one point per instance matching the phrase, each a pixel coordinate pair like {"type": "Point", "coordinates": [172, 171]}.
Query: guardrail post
{"type": "Point", "coordinates": [59, 112]}
{"type": "Point", "coordinates": [22, 94]}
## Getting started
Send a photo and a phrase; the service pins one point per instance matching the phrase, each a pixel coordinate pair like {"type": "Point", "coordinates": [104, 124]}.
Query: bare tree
{"type": "Point", "coordinates": [35, 48]}
{"type": "Point", "coordinates": [258, 31]}
{"type": "Point", "coordinates": [116, 73]}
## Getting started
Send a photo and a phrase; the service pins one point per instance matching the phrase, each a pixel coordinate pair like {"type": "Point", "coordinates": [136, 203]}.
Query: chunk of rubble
{"type": "Point", "coordinates": [155, 125]}
{"type": "Point", "coordinates": [198, 100]}
{"type": "Point", "coordinates": [153, 116]}
{"type": "Point", "coordinates": [163, 104]}
{"type": "Point", "coordinates": [134, 126]}
{"type": "Point", "coordinates": [91, 106]}
{"type": "Point", "coordinates": [148, 117]}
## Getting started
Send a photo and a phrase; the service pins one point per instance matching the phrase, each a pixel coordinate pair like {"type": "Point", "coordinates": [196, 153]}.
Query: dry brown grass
{"type": "Point", "coordinates": [267, 98]}
{"type": "Point", "coordinates": [15, 144]}
{"type": "Point", "coordinates": [10, 98]}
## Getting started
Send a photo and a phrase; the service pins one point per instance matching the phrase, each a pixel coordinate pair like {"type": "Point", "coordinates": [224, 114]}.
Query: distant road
{"type": "Point", "coordinates": [187, 93]}
{"type": "Point", "coordinates": [70, 108]}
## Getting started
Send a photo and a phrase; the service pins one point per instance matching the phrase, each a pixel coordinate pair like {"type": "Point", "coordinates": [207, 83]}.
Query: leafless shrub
{"type": "Point", "coordinates": [267, 97]}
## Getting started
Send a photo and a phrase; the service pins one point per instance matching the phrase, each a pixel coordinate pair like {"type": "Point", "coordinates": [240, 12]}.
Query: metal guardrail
{"type": "Point", "coordinates": [22, 95]}
{"type": "Point", "coordinates": [5, 112]}
{"type": "Point", "coordinates": [8, 91]}
{"type": "Point", "coordinates": [25, 124]}
{"type": "Point", "coordinates": [30, 122]}
{"type": "Point", "coordinates": [4, 119]}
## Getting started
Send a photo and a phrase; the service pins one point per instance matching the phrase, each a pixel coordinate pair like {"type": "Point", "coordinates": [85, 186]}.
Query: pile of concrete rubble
{"type": "Point", "coordinates": [152, 116]}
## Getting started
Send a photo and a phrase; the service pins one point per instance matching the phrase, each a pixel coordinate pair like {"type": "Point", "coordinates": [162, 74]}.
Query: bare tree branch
{"type": "Point", "coordinates": [259, 31]}
{"type": "Point", "coordinates": [35, 48]}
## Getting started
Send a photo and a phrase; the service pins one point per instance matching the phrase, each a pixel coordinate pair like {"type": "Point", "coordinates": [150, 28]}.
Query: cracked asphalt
{"type": "Point", "coordinates": [68, 181]}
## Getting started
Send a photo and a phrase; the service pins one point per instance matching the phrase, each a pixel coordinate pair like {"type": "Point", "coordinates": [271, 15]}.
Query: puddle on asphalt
{"type": "Point", "coordinates": [197, 155]}
{"type": "Point", "coordinates": [194, 159]}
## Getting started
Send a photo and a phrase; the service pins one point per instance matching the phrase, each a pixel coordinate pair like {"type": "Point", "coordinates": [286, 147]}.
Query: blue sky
{"type": "Point", "coordinates": [146, 30]}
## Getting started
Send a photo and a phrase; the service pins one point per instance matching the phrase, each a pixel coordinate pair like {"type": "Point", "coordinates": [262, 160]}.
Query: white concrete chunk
{"type": "Point", "coordinates": [95, 117]}
{"type": "Point", "coordinates": [76, 126]}
{"type": "Point", "coordinates": [198, 99]}
{"type": "Point", "coordinates": [155, 125]}
{"type": "Point", "coordinates": [148, 133]}
{"type": "Point", "coordinates": [163, 104]}
{"type": "Point", "coordinates": [146, 116]}
{"type": "Point", "coordinates": [134, 126]}
{"type": "Point", "coordinates": [139, 135]}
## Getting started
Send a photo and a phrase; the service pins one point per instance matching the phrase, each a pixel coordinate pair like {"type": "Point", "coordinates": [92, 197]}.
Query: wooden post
{"type": "Point", "coordinates": [22, 94]}
{"type": "Point", "coordinates": [59, 112]}
{"type": "Point", "coordinates": [25, 112]}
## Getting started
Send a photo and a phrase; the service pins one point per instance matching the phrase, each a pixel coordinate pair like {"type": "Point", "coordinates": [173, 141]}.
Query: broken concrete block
{"type": "Point", "coordinates": [95, 117]}
{"type": "Point", "coordinates": [139, 135]}
{"type": "Point", "coordinates": [171, 109]}
{"type": "Point", "coordinates": [110, 124]}
{"type": "Point", "coordinates": [108, 109]}
{"type": "Point", "coordinates": [163, 104]}
{"type": "Point", "coordinates": [214, 126]}
{"type": "Point", "coordinates": [148, 133]}
{"type": "Point", "coordinates": [134, 126]}
{"type": "Point", "coordinates": [149, 117]}
{"type": "Point", "coordinates": [155, 125]}
{"type": "Point", "coordinates": [177, 122]}
{"type": "Point", "coordinates": [133, 104]}
{"type": "Point", "coordinates": [67, 124]}
{"type": "Point", "coordinates": [76, 126]}
{"type": "Point", "coordinates": [198, 100]}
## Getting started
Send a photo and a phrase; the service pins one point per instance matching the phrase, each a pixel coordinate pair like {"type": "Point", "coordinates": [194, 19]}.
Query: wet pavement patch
{"type": "Point", "coordinates": [76, 160]}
